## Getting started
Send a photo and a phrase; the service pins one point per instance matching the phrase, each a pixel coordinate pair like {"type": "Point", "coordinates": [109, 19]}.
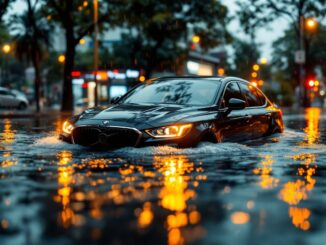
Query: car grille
{"type": "Point", "coordinates": [112, 137]}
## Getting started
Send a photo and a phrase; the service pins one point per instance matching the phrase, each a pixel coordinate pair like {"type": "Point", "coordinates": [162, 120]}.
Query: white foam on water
{"type": "Point", "coordinates": [203, 148]}
{"type": "Point", "coordinates": [52, 141]}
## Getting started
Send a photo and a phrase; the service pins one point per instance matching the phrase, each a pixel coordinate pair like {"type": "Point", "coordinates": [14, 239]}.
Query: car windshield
{"type": "Point", "coordinates": [197, 92]}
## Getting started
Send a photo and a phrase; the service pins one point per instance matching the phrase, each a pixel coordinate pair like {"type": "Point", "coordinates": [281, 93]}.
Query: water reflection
{"type": "Point", "coordinates": [312, 116]}
{"type": "Point", "coordinates": [176, 193]}
{"type": "Point", "coordinates": [7, 138]}
{"type": "Point", "coordinates": [168, 184]}
{"type": "Point", "coordinates": [295, 192]}
{"type": "Point", "coordinates": [264, 171]}
{"type": "Point", "coordinates": [65, 179]}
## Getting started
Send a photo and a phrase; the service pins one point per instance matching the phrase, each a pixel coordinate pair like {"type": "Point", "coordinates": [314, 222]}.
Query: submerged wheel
{"type": "Point", "coordinates": [209, 137]}
{"type": "Point", "coordinates": [273, 128]}
{"type": "Point", "coordinates": [22, 106]}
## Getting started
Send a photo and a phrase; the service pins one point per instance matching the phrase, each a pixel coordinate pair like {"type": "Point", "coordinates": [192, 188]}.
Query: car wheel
{"type": "Point", "coordinates": [22, 106]}
{"type": "Point", "coordinates": [273, 128]}
{"type": "Point", "coordinates": [209, 137]}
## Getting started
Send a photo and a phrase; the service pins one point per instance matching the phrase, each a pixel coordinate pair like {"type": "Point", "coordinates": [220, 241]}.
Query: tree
{"type": "Point", "coordinates": [261, 12]}
{"type": "Point", "coordinates": [76, 19]}
{"type": "Point", "coordinates": [32, 37]}
{"type": "Point", "coordinates": [159, 32]}
{"type": "Point", "coordinates": [245, 56]}
{"type": "Point", "coordinates": [4, 4]}
{"type": "Point", "coordinates": [283, 56]}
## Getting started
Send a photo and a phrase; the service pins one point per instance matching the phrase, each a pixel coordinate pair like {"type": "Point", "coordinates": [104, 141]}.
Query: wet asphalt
{"type": "Point", "coordinates": [266, 191]}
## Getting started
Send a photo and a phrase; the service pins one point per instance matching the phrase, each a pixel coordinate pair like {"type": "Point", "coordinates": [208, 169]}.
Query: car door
{"type": "Point", "coordinates": [4, 99]}
{"type": "Point", "coordinates": [233, 124]}
{"type": "Point", "coordinates": [258, 116]}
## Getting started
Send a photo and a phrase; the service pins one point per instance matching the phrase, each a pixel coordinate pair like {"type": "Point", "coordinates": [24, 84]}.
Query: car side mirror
{"type": "Point", "coordinates": [115, 99]}
{"type": "Point", "coordinates": [236, 104]}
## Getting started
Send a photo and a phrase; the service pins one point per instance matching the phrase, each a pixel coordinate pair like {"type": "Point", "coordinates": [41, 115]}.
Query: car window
{"type": "Point", "coordinates": [2, 92]}
{"type": "Point", "coordinates": [232, 91]}
{"type": "Point", "coordinates": [197, 92]}
{"type": "Point", "coordinates": [251, 95]}
{"type": "Point", "coordinates": [261, 97]}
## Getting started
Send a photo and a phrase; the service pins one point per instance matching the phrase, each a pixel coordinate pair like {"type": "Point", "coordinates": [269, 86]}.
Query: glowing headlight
{"type": "Point", "coordinates": [174, 131]}
{"type": "Point", "coordinates": [67, 127]}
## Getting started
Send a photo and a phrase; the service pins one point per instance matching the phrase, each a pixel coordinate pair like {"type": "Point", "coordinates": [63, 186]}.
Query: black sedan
{"type": "Point", "coordinates": [178, 111]}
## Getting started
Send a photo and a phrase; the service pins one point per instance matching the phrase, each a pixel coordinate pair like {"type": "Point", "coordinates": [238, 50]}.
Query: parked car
{"type": "Point", "coordinates": [179, 111]}
{"type": "Point", "coordinates": [12, 99]}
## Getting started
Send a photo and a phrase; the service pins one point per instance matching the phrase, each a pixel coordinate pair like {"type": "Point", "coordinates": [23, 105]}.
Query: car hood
{"type": "Point", "coordinates": [135, 115]}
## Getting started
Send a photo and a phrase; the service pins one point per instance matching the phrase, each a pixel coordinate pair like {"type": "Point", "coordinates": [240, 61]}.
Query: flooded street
{"type": "Point", "coordinates": [270, 190]}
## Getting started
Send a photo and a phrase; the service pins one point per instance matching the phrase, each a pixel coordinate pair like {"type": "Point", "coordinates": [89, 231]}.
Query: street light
{"type": "Point", "coordinates": [82, 41]}
{"type": "Point", "coordinates": [61, 58]}
{"type": "Point", "coordinates": [95, 3]}
{"type": "Point", "coordinates": [256, 67]}
{"type": "Point", "coordinates": [6, 48]}
{"type": "Point", "coordinates": [195, 39]}
{"type": "Point", "coordinates": [311, 23]}
{"type": "Point", "coordinates": [263, 61]}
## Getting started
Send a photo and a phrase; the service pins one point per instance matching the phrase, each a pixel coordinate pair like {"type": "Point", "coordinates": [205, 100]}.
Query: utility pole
{"type": "Point", "coordinates": [96, 50]}
{"type": "Point", "coordinates": [301, 64]}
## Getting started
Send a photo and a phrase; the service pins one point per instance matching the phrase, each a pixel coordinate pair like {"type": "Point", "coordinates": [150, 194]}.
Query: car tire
{"type": "Point", "coordinates": [209, 137]}
{"type": "Point", "coordinates": [273, 128]}
{"type": "Point", "coordinates": [22, 106]}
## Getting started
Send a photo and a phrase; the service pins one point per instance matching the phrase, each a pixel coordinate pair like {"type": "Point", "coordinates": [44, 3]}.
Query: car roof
{"type": "Point", "coordinates": [223, 79]}
{"type": "Point", "coordinates": [4, 89]}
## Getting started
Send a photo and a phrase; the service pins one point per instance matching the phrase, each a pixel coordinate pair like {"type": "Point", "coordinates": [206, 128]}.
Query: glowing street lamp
{"type": "Point", "coordinates": [142, 78]}
{"type": "Point", "coordinates": [195, 39]}
{"type": "Point", "coordinates": [6, 48]}
{"type": "Point", "coordinates": [82, 41]}
{"type": "Point", "coordinates": [61, 58]}
{"type": "Point", "coordinates": [221, 71]}
{"type": "Point", "coordinates": [311, 23]}
{"type": "Point", "coordinates": [263, 61]}
{"type": "Point", "coordinates": [255, 67]}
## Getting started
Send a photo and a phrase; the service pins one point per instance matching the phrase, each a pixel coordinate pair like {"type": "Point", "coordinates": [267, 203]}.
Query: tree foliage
{"type": "Point", "coordinates": [245, 56]}
{"type": "Point", "coordinates": [4, 5]}
{"type": "Point", "coordinates": [159, 31]}
{"type": "Point", "coordinates": [31, 38]}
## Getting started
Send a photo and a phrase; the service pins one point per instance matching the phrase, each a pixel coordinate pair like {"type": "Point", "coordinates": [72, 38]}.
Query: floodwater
{"type": "Point", "coordinates": [266, 191]}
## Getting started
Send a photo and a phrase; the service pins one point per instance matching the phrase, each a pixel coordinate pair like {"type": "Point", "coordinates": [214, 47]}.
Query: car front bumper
{"type": "Point", "coordinates": [123, 137]}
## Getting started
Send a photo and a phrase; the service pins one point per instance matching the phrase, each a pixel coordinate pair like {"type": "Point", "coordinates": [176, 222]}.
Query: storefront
{"type": "Point", "coordinates": [202, 65]}
{"type": "Point", "coordinates": [110, 84]}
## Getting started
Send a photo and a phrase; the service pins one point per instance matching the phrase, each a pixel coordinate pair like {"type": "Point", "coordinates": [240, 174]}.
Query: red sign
{"type": "Point", "coordinates": [75, 73]}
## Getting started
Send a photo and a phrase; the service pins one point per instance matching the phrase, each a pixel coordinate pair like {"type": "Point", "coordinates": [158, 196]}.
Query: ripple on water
{"type": "Point", "coordinates": [51, 141]}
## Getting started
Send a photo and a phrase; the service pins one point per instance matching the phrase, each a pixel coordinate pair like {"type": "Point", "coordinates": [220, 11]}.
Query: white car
{"type": "Point", "coordinates": [12, 99]}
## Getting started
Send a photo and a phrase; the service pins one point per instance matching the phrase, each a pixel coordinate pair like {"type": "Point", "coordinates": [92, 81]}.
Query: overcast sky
{"type": "Point", "coordinates": [264, 37]}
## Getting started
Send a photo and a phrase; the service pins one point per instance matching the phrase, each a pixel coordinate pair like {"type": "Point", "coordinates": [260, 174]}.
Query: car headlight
{"type": "Point", "coordinates": [67, 127]}
{"type": "Point", "coordinates": [174, 131]}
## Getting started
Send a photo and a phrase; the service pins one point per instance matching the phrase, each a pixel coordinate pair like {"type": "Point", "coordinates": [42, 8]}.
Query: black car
{"type": "Point", "coordinates": [178, 111]}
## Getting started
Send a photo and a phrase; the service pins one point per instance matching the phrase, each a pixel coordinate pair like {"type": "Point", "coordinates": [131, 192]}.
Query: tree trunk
{"type": "Point", "coordinates": [37, 81]}
{"type": "Point", "coordinates": [67, 95]}
{"type": "Point", "coordinates": [35, 58]}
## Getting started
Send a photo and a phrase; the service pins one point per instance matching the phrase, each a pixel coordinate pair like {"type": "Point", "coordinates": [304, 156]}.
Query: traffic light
{"type": "Point", "coordinates": [312, 83]}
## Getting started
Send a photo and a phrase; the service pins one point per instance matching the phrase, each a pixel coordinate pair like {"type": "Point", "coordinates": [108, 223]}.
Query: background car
{"type": "Point", "coordinates": [179, 111]}
{"type": "Point", "coordinates": [12, 99]}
